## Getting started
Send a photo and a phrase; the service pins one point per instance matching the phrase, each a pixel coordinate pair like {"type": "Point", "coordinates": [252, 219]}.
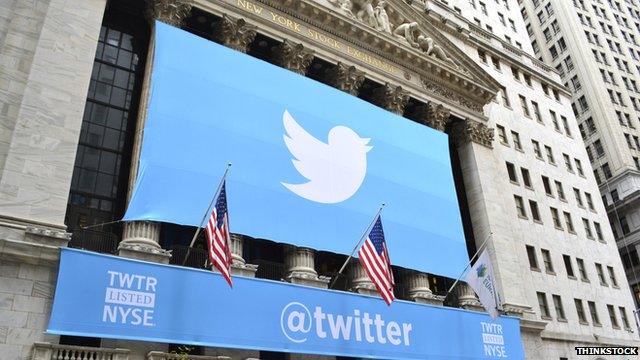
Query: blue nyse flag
{"type": "Point", "coordinates": [311, 164]}
{"type": "Point", "coordinates": [112, 297]}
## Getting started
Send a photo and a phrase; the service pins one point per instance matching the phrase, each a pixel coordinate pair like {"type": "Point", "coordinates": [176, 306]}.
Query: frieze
{"type": "Point", "coordinates": [447, 93]}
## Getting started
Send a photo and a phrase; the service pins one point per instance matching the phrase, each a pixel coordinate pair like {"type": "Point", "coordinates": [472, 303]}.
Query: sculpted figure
{"type": "Point", "coordinates": [406, 32]}
{"type": "Point", "coordinates": [367, 15]}
{"type": "Point", "coordinates": [382, 17]}
{"type": "Point", "coordinates": [432, 49]}
{"type": "Point", "coordinates": [346, 6]}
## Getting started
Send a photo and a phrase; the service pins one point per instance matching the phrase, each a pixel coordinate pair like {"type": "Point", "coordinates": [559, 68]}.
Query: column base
{"type": "Point", "coordinates": [143, 252]}
{"type": "Point", "coordinates": [242, 269]}
{"type": "Point", "coordinates": [307, 279]}
{"type": "Point", "coordinates": [366, 288]}
{"type": "Point", "coordinates": [427, 297]}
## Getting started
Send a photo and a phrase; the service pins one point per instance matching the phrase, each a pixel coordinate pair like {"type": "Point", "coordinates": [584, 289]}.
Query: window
{"type": "Point", "coordinates": [565, 124]}
{"type": "Point", "coordinates": [505, 97]}
{"type": "Point", "coordinates": [482, 56]}
{"type": "Point", "coordinates": [623, 316]}
{"type": "Point", "coordinates": [527, 79]}
{"type": "Point", "coordinates": [515, 72]}
{"type": "Point", "coordinates": [522, 212]}
{"type": "Point", "coordinates": [535, 213]}
{"type": "Point", "coordinates": [582, 317]}
{"type": "Point", "coordinates": [567, 162]}
{"type": "Point", "coordinates": [614, 195]}
{"type": "Point", "coordinates": [495, 62]}
{"type": "Point", "coordinates": [549, 155]}
{"type": "Point", "coordinates": [567, 266]}
{"type": "Point", "coordinates": [516, 140]}
{"type": "Point", "coordinates": [560, 190]}
{"type": "Point", "coordinates": [536, 111]}
{"type": "Point", "coordinates": [536, 149]}
{"type": "Point", "coordinates": [546, 258]}
{"type": "Point", "coordinates": [599, 149]}
{"type": "Point", "coordinates": [598, 231]}
{"type": "Point", "coordinates": [556, 218]}
{"type": "Point", "coordinates": [502, 134]}
{"type": "Point", "coordinates": [533, 260]}
{"type": "Point", "coordinates": [547, 185]}
{"type": "Point", "coordinates": [600, 272]}
{"type": "Point", "coordinates": [526, 179]}
{"type": "Point", "coordinates": [594, 313]}
{"type": "Point", "coordinates": [544, 307]}
{"type": "Point", "coordinates": [523, 104]}
{"type": "Point", "coordinates": [557, 303]}
{"type": "Point", "coordinates": [612, 276]}
{"type": "Point", "coordinates": [624, 225]}
{"type": "Point", "coordinates": [483, 8]}
{"type": "Point", "coordinates": [587, 228]}
{"type": "Point", "coordinates": [568, 222]}
{"type": "Point", "coordinates": [579, 167]}
{"type": "Point", "coordinates": [582, 270]}
{"type": "Point", "coordinates": [606, 170]}
{"type": "Point", "coordinates": [612, 317]}
{"type": "Point", "coordinates": [554, 120]}
{"type": "Point", "coordinates": [511, 170]}
{"type": "Point", "coordinates": [589, 200]}
{"type": "Point", "coordinates": [578, 197]}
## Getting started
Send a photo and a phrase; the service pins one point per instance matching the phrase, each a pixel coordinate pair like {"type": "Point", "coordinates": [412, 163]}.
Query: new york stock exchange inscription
{"type": "Point", "coordinates": [315, 35]}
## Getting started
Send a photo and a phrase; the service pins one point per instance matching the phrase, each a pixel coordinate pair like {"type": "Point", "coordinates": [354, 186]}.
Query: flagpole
{"type": "Point", "coordinates": [215, 195]}
{"type": "Point", "coordinates": [364, 235]}
{"type": "Point", "coordinates": [468, 264]}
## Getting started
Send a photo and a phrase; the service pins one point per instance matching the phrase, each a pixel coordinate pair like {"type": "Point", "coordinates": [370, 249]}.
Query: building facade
{"type": "Point", "coordinates": [75, 85]}
{"type": "Point", "coordinates": [591, 44]}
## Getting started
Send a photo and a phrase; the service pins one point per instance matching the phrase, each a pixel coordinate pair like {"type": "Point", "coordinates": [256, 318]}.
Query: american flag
{"type": "Point", "coordinates": [375, 260]}
{"type": "Point", "coordinates": [218, 238]}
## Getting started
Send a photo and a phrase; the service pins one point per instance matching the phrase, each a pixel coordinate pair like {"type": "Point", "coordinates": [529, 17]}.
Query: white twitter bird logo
{"type": "Point", "coordinates": [335, 170]}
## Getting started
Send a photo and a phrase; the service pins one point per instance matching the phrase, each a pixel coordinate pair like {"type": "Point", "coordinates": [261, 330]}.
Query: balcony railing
{"type": "Point", "coordinates": [269, 270]}
{"type": "Point", "coordinates": [47, 351]}
{"type": "Point", "coordinates": [98, 241]}
{"type": "Point", "coordinates": [158, 355]}
{"type": "Point", "coordinates": [196, 259]}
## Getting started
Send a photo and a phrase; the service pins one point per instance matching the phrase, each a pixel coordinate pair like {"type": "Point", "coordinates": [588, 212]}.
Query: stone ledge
{"type": "Point", "coordinates": [593, 339]}
{"type": "Point", "coordinates": [29, 252]}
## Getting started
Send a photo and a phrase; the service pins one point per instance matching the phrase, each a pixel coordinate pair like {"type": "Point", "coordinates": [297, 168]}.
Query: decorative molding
{"type": "Point", "coordinates": [449, 94]}
{"type": "Point", "coordinates": [294, 57]}
{"type": "Point", "coordinates": [392, 98]}
{"type": "Point", "coordinates": [234, 33]}
{"type": "Point", "coordinates": [472, 131]}
{"type": "Point", "coordinates": [347, 78]}
{"type": "Point", "coordinates": [172, 12]}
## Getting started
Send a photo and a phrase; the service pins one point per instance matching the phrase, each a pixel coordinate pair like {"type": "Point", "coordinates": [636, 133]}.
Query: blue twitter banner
{"type": "Point", "coordinates": [111, 297]}
{"type": "Point", "coordinates": [311, 164]}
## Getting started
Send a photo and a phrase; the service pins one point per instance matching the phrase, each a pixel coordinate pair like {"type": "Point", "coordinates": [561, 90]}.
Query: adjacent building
{"type": "Point", "coordinates": [594, 45]}
{"type": "Point", "coordinates": [74, 83]}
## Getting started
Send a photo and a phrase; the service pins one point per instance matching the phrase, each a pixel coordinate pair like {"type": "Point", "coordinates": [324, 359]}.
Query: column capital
{"type": "Point", "coordinates": [172, 12]}
{"type": "Point", "coordinates": [347, 78]}
{"type": "Point", "coordinates": [294, 57]}
{"type": "Point", "coordinates": [472, 131]}
{"type": "Point", "coordinates": [392, 98]}
{"type": "Point", "coordinates": [234, 33]}
{"type": "Point", "coordinates": [437, 116]}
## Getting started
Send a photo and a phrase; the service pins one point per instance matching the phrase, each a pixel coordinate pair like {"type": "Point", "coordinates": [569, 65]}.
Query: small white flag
{"type": "Point", "coordinates": [481, 280]}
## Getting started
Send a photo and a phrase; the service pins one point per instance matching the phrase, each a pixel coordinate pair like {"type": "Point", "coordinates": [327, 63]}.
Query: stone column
{"type": "Point", "coordinates": [347, 78]}
{"type": "Point", "coordinates": [239, 266]}
{"type": "Point", "coordinates": [392, 98]}
{"type": "Point", "coordinates": [359, 280]}
{"type": "Point", "coordinates": [467, 299]}
{"type": "Point", "coordinates": [140, 238]}
{"type": "Point", "coordinates": [300, 267]}
{"type": "Point", "coordinates": [420, 291]}
{"type": "Point", "coordinates": [434, 115]}
{"type": "Point", "coordinates": [294, 57]}
{"type": "Point", "coordinates": [234, 33]}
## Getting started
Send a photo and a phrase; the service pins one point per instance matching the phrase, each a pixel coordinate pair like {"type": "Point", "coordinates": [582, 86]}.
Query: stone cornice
{"type": "Point", "coordinates": [385, 45]}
